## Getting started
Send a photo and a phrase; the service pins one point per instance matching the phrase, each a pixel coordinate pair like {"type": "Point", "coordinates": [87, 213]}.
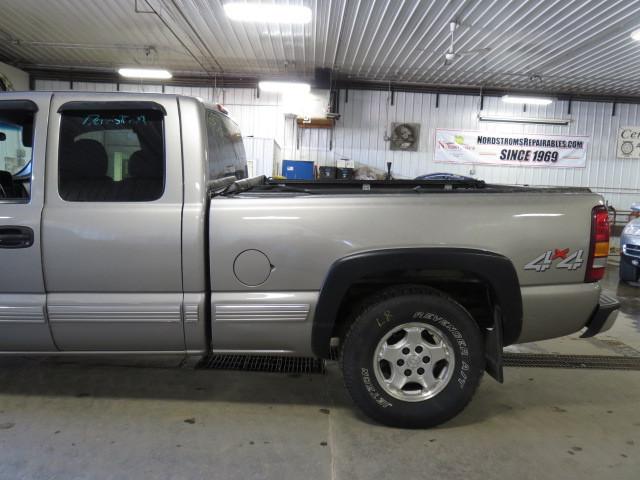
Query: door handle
{"type": "Point", "coordinates": [13, 236]}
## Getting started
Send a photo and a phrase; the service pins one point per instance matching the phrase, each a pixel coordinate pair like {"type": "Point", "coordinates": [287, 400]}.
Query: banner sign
{"type": "Point", "coordinates": [524, 150]}
{"type": "Point", "coordinates": [628, 142]}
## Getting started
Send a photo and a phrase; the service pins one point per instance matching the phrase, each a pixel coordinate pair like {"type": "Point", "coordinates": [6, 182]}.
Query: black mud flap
{"type": "Point", "coordinates": [493, 347]}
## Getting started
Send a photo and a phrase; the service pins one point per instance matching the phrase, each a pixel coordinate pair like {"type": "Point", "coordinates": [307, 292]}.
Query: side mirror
{"type": "Point", "coordinates": [3, 137]}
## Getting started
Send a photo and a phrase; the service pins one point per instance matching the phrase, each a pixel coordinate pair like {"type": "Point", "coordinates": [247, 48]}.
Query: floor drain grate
{"type": "Point", "coordinates": [264, 363]}
{"type": "Point", "coordinates": [598, 362]}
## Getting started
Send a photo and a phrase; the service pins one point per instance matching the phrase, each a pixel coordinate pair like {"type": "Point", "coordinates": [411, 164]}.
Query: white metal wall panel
{"type": "Point", "coordinates": [262, 153]}
{"type": "Point", "coordinates": [365, 117]}
{"type": "Point", "coordinates": [360, 131]}
{"type": "Point", "coordinates": [137, 88]}
{"type": "Point", "coordinates": [55, 85]}
{"type": "Point", "coordinates": [59, 86]}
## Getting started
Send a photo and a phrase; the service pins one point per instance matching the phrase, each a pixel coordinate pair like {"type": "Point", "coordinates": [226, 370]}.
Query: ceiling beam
{"type": "Point", "coordinates": [251, 81]}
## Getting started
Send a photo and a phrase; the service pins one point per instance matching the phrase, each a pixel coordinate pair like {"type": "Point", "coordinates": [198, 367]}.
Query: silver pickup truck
{"type": "Point", "coordinates": [127, 226]}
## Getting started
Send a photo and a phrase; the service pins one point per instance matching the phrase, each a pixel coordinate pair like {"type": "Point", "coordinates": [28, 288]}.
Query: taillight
{"type": "Point", "coordinates": [599, 248]}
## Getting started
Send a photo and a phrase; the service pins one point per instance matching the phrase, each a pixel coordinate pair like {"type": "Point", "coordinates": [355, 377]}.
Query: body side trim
{"type": "Point", "coordinates": [262, 313]}
{"type": "Point", "coordinates": [115, 313]}
{"type": "Point", "coordinates": [22, 314]}
{"type": "Point", "coordinates": [108, 353]}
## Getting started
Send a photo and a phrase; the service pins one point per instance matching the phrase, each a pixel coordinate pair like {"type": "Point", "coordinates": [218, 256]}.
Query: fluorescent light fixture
{"type": "Point", "coordinates": [636, 35]}
{"type": "Point", "coordinates": [527, 120]}
{"type": "Point", "coordinates": [267, 13]}
{"type": "Point", "coordinates": [157, 74]}
{"type": "Point", "coordinates": [285, 87]}
{"type": "Point", "coordinates": [526, 100]}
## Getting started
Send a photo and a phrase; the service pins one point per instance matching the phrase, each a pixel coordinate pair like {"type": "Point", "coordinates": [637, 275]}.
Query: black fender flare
{"type": "Point", "coordinates": [495, 269]}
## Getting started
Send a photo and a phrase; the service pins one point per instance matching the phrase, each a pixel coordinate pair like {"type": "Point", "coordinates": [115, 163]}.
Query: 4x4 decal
{"type": "Point", "coordinates": [570, 261]}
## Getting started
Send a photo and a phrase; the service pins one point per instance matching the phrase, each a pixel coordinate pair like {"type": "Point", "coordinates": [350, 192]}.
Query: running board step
{"type": "Point", "coordinates": [264, 363]}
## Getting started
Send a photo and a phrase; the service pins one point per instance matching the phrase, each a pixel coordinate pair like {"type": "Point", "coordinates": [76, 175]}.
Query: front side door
{"type": "Point", "coordinates": [111, 224]}
{"type": "Point", "coordinates": [23, 133]}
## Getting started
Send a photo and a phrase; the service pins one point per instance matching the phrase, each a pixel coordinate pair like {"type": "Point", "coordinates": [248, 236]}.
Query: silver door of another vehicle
{"type": "Point", "coordinates": [23, 134]}
{"type": "Point", "coordinates": [111, 223]}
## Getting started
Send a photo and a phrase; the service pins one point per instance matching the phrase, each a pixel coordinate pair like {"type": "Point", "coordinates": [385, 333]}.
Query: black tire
{"type": "Point", "coordinates": [390, 310]}
{"type": "Point", "coordinates": [628, 272]}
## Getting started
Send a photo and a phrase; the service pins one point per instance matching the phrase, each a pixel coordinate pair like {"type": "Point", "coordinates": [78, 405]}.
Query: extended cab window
{"type": "Point", "coordinates": [225, 153]}
{"type": "Point", "coordinates": [111, 156]}
{"type": "Point", "coordinates": [16, 140]}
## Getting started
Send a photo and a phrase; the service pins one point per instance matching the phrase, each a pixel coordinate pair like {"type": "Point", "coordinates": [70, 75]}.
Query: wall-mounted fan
{"type": "Point", "coordinates": [452, 54]}
{"type": "Point", "coordinates": [405, 137]}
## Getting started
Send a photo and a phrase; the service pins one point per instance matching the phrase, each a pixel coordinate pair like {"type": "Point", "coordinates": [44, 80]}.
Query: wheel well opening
{"type": "Point", "coordinates": [471, 291]}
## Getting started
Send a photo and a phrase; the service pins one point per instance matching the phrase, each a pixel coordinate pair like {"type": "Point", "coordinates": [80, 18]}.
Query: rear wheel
{"type": "Point", "coordinates": [628, 272]}
{"type": "Point", "coordinates": [412, 358]}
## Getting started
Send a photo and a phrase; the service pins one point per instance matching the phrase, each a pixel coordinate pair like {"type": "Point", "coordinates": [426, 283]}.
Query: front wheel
{"type": "Point", "coordinates": [412, 358]}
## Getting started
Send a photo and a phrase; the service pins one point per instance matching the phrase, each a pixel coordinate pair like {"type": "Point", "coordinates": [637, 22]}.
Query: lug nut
{"type": "Point", "coordinates": [407, 372]}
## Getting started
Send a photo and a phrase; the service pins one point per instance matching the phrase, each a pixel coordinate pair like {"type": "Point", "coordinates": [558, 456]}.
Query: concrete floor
{"type": "Point", "coordinates": [62, 419]}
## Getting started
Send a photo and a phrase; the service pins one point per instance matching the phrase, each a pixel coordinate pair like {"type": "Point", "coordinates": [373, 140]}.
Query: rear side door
{"type": "Point", "coordinates": [111, 224]}
{"type": "Point", "coordinates": [23, 134]}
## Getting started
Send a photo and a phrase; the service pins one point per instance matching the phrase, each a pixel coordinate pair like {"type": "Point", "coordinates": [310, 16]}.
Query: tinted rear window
{"type": "Point", "coordinates": [225, 150]}
{"type": "Point", "coordinates": [111, 156]}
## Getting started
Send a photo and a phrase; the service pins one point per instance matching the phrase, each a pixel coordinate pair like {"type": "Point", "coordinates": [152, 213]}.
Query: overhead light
{"type": "Point", "coordinates": [526, 100]}
{"type": "Point", "coordinates": [636, 35]}
{"type": "Point", "coordinates": [527, 120]}
{"type": "Point", "coordinates": [157, 74]}
{"type": "Point", "coordinates": [267, 13]}
{"type": "Point", "coordinates": [285, 87]}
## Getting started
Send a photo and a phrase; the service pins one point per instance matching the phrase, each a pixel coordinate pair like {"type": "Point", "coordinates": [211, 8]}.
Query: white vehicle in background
{"type": "Point", "coordinates": [630, 251]}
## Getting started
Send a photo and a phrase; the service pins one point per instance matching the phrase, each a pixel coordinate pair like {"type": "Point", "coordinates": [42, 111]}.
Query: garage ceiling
{"type": "Point", "coordinates": [577, 46]}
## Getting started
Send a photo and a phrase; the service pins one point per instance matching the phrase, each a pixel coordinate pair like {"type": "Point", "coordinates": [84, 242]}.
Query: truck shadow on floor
{"type": "Point", "coordinates": [163, 381]}
{"type": "Point", "coordinates": [525, 389]}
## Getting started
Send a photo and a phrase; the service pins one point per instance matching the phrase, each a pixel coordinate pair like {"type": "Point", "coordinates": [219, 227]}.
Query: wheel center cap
{"type": "Point", "coordinates": [413, 360]}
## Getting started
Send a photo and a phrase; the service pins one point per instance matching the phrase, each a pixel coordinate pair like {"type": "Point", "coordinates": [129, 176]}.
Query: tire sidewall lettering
{"type": "Point", "coordinates": [371, 389]}
{"type": "Point", "coordinates": [463, 362]}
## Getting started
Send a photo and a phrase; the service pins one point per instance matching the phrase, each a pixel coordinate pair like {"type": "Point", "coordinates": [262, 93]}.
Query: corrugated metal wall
{"type": "Point", "coordinates": [359, 133]}
{"type": "Point", "coordinates": [365, 117]}
{"type": "Point", "coordinates": [264, 155]}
